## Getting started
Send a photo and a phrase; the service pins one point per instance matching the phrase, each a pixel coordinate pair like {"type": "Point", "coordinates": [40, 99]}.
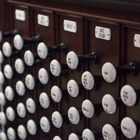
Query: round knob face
{"type": "Point", "coordinates": [8, 71]}
{"type": "Point", "coordinates": [1, 78]}
{"type": "Point", "coordinates": [3, 136]}
{"type": "Point", "coordinates": [7, 49]}
{"type": "Point", "coordinates": [1, 57]}
{"type": "Point", "coordinates": [18, 42]}
{"type": "Point", "coordinates": [128, 95]}
{"type": "Point", "coordinates": [57, 138]}
{"type": "Point", "coordinates": [31, 127]}
{"type": "Point", "coordinates": [3, 120]}
{"type": "Point", "coordinates": [20, 88]}
{"type": "Point", "coordinates": [19, 66]}
{"type": "Point", "coordinates": [73, 115]}
{"type": "Point", "coordinates": [43, 76]}
{"type": "Point", "coordinates": [109, 104]}
{"type": "Point", "coordinates": [22, 133]}
{"type": "Point", "coordinates": [30, 105]}
{"type": "Point", "coordinates": [2, 99]}
{"type": "Point", "coordinates": [57, 119]}
{"type": "Point", "coordinates": [88, 80]}
{"type": "Point", "coordinates": [129, 128]}
{"type": "Point", "coordinates": [73, 136]}
{"type": "Point", "coordinates": [10, 113]}
{"type": "Point", "coordinates": [11, 133]}
{"type": "Point", "coordinates": [9, 93]}
{"type": "Point", "coordinates": [21, 110]}
{"type": "Point", "coordinates": [30, 82]}
{"type": "Point", "coordinates": [72, 60]}
{"type": "Point", "coordinates": [73, 88]}
{"type": "Point", "coordinates": [56, 94]}
{"type": "Point", "coordinates": [55, 68]}
{"type": "Point", "coordinates": [42, 50]}
{"type": "Point", "coordinates": [45, 124]}
{"type": "Point", "coordinates": [44, 100]}
{"type": "Point", "coordinates": [29, 58]}
{"type": "Point", "coordinates": [109, 132]}
{"type": "Point", "coordinates": [87, 108]}
{"type": "Point", "coordinates": [109, 72]}
{"type": "Point", "coordinates": [87, 134]}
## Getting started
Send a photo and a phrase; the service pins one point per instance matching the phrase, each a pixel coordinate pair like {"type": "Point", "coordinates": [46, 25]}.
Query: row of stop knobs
{"type": "Point", "coordinates": [88, 80]}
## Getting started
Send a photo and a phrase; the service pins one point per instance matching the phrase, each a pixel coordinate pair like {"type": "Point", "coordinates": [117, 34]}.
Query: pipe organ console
{"type": "Point", "coordinates": [69, 70]}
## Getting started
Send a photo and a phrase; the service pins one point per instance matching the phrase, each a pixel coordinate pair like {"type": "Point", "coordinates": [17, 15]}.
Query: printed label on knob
{"type": "Point", "coordinates": [44, 100]}
{"type": "Point", "coordinates": [31, 127]}
{"type": "Point", "coordinates": [2, 99]}
{"type": "Point", "coordinates": [57, 138]}
{"type": "Point", "coordinates": [108, 132]}
{"type": "Point", "coordinates": [88, 80]}
{"type": "Point", "coordinates": [43, 76]}
{"type": "Point", "coordinates": [1, 57]}
{"type": "Point", "coordinates": [11, 133]}
{"type": "Point", "coordinates": [21, 110]}
{"type": "Point", "coordinates": [56, 94]}
{"type": "Point", "coordinates": [29, 58]}
{"type": "Point", "coordinates": [8, 71]}
{"type": "Point", "coordinates": [30, 82]}
{"type": "Point", "coordinates": [57, 119]}
{"type": "Point", "coordinates": [19, 66]}
{"type": "Point", "coordinates": [30, 105]}
{"type": "Point", "coordinates": [73, 115]}
{"type": "Point", "coordinates": [20, 88]}
{"type": "Point", "coordinates": [1, 78]}
{"type": "Point", "coordinates": [10, 113]}
{"type": "Point", "coordinates": [109, 72]}
{"type": "Point", "coordinates": [3, 120]}
{"type": "Point", "coordinates": [22, 133]}
{"type": "Point", "coordinates": [18, 42]}
{"type": "Point", "coordinates": [9, 93]}
{"type": "Point", "coordinates": [87, 108]}
{"type": "Point", "coordinates": [129, 128]}
{"type": "Point", "coordinates": [87, 134]}
{"type": "Point", "coordinates": [7, 49]}
{"type": "Point", "coordinates": [42, 50]}
{"type": "Point", "coordinates": [45, 124]}
{"type": "Point", "coordinates": [73, 136]}
{"type": "Point", "coordinates": [55, 68]}
{"type": "Point", "coordinates": [72, 60]}
{"type": "Point", "coordinates": [109, 104]}
{"type": "Point", "coordinates": [3, 136]}
{"type": "Point", "coordinates": [73, 88]}
{"type": "Point", "coordinates": [128, 95]}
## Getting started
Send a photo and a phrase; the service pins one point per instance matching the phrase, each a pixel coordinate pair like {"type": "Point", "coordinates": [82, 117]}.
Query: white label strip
{"type": "Point", "coordinates": [137, 40]}
{"type": "Point", "coordinates": [103, 33]}
{"type": "Point", "coordinates": [20, 15]}
{"type": "Point", "coordinates": [43, 20]}
{"type": "Point", "coordinates": [70, 26]}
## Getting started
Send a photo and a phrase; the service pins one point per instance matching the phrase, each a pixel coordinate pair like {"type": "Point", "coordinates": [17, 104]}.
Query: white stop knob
{"type": "Point", "coordinates": [109, 72]}
{"type": "Point", "coordinates": [88, 80]}
{"type": "Point", "coordinates": [7, 49]}
{"type": "Point", "coordinates": [9, 93]}
{"type": "Point", "coordinates": [56, 94]}
{"type": "Point", "coordinates": [18, 42]}
{"type": "Point", "coordinates": [20, 88]}
{"type": "Point", "coordinates": [3, 120]}
{"type": "Point", "coordinates": [1, 57]}
{"type": "Point", "coordinates": [73, 136]}
{"type": "Point", "coordinates": [29, 58]}
{"type": "Point", "coordinates": [73, 115]}
{"type": "Point", "coordinates": [45, 124]}
{"type": "Point", "coordinates": [73, 88]}
{"type": "Point", "coordinates": [1, 78]}
{"type": "Point", "coordinates": [30, 105]}
{"type": "Point", "coordinates": [57, 119]}
{"type": "Point", "coordinates": [22, 133]}
{"type": "Point", "coordinates": [2, 99]}
{"type": "Point", "coordinates": [11, 133]}
{"type": "Point", "coordinates": [10, 113]}
{"type": "Point", "coordinates": [19, 66]}
{"type": "Point", "coordinates": [3, 136]}
{"type": "Point", "coordinates": [87, 134]}
{"type": "Point", "coordinates": [30, 82]}
{"type": "Point", "coordinates": [31, 127]}
{"type": "Point", "coordinates": [8, 71]}
{"type": "Point", "coordinates": [57, 138]}
{"type": "Point", "coordinates": [21, 110]}
{"type": "Point", "coordinates": [42, 50]}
